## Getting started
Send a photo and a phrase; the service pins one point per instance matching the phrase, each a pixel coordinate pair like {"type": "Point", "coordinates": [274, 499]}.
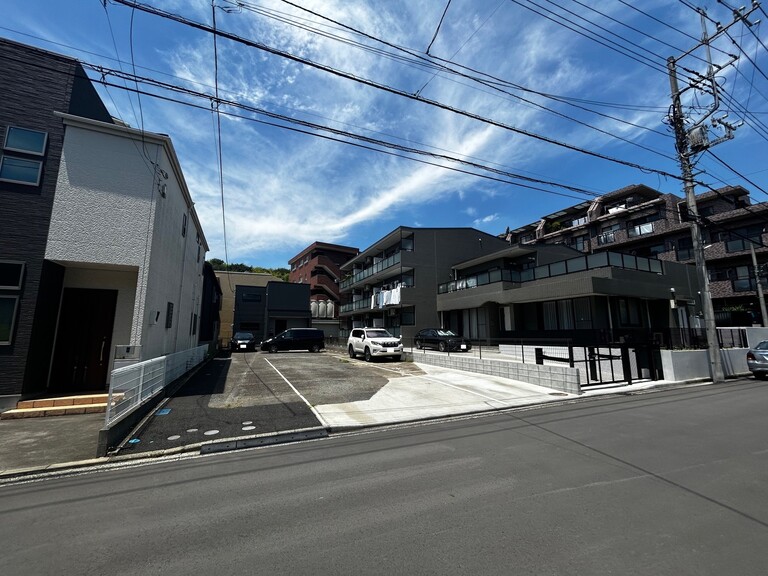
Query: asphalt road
{"type": "Point", "coordinates": [666, 483]}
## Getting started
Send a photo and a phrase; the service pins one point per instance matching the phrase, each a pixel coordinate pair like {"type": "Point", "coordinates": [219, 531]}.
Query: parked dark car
{"type": "Point", "coordinates": [757, 360]}
{"type": "Point", "coordinates": [310, 339]}
{"type": "Point", "coordinates": [242, 342]}
{"type": "Point", "coordinates": [443, 340]}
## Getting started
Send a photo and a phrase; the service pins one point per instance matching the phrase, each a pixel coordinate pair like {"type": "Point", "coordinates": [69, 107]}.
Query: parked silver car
{"type": "Point", "coordinates": [757, 360]}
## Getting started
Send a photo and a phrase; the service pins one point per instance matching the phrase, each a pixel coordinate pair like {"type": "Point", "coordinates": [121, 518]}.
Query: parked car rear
{"type": "Point", "coordinates": [757, 359]}
{"type": "Point", "coordinates": [310, 339]}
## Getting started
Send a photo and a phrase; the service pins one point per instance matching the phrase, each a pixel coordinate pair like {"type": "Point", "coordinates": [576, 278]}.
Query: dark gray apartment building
{"type": "Point", "coordinates": [393, 283]}
{"type": "Point", "coordinates": [640, 221]}
{"type": "Point", "coordinates": [34, 84]}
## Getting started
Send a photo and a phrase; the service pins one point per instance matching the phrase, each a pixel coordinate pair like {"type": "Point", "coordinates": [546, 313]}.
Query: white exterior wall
{"type": "Point", "coordinates": [175, 274]}
{"type": "Point", "coordinates": [109, 211]}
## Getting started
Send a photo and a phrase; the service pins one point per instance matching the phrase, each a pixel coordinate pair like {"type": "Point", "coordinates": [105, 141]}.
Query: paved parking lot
{"type": "Point", "coordinates": [258, 393]}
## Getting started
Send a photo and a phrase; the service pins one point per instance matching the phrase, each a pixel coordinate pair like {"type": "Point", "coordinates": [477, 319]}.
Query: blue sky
{"type": "Point", "coordinates": [587, 74]}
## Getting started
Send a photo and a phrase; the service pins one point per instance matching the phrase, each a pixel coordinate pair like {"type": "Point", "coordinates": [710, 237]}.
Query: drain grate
{"type": "Point", "coordinates": [558, 394]}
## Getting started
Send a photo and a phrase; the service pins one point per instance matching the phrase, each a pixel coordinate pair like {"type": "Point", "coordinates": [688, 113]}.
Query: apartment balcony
{"type": "Point", "coordinates": [372, 273]}
{"type": "Point", "coordinates": [564, 267]}
{"type": "Point", "coordinates": [385, 299]}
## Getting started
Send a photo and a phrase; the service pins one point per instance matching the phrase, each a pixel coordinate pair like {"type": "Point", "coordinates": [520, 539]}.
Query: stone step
{"type": "Point", "coordinates": [63, 401]}
{"type": "Point", "coordinates": [60, 406]}
{"type": "Point", "coordinates": [40, 411]}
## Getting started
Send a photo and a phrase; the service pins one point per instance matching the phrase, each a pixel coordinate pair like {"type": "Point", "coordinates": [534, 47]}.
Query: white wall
{"type": "Point", "coordinates": [109, 210]}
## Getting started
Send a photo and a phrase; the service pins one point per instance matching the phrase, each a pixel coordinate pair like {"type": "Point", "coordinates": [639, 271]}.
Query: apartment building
{"type": "Point", "coordinates": [319, 266]}
{"type": "Point", "coordinates": [393, 283]}
{"type": "Point", "coordinates": [641, 221]}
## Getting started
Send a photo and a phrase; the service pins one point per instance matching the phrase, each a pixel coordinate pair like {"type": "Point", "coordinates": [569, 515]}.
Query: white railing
{"type": "Point", "coordinates": [131, 386]}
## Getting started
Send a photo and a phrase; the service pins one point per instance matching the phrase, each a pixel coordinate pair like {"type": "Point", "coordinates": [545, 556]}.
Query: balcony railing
{"type": "Point", "coordinates": [606, 238]}
{"type": "Point", "coordinates": [578, 264]}
{"type": "Point", "coordinates": [370, 271]}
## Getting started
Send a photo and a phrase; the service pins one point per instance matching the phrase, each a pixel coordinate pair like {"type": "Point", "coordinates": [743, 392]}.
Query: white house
{"type": "Point", "coordinates": [125, 233]}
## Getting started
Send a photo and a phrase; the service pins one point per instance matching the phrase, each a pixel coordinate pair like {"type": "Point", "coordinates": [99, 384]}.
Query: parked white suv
{"type": "Point", "coordinates": [374, 343]}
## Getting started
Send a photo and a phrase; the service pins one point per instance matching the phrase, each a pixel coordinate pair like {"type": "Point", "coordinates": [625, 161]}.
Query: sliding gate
{"type": "Point", "coordinates": [600, 365]}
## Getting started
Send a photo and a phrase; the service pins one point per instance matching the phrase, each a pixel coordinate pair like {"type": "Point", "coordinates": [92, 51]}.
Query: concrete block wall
{"type": "Point", "coordinates": [562, 378]}
{"type": "Point", "coordinates": [682, 365]}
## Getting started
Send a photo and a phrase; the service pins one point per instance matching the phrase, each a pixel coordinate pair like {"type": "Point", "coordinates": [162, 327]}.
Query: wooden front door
{"type": "Point", "coordinates": [83, 341]}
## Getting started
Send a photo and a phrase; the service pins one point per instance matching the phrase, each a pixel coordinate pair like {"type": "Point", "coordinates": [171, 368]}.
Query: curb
{"type": "Point", "coordinates": [209, 447]}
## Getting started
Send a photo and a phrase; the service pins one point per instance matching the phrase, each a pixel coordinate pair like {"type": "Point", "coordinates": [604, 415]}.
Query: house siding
{"type": "Point", "coordinates": [34, 84]}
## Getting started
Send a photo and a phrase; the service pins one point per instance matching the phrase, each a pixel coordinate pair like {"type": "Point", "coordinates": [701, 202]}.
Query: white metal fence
{"type": "Point", "coordinates": [131, 386]}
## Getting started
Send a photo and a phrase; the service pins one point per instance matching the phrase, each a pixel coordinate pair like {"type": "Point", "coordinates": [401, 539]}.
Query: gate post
{"type": "Point", "coordinates": [592, 363]}
{"type": "Point", "coordinates": [626, 366]}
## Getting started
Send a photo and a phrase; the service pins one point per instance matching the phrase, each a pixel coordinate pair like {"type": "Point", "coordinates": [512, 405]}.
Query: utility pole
{"type": "Point", "coordinates": [684, 153]}
{"type": "Point", "coordinates": [760, 295]}
{"type": "Point", "coordinates": [692, 141]}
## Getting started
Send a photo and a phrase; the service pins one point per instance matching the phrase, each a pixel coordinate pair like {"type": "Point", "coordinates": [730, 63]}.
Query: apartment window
{"type": "Point", "coordinates": [407, 316]}
{"type": "Point", "coordinates": [407, 244]}
{"type": "Point", "coordinates": [198, 252]}
{"type": "Point", "coordinates": [684, 249]}
{"type": "Point", "coordinates": [183, 224]}
{"type": "Point", "coordinates": [629, 312]}
{"type": "Point", "coordinates": [20, 162]}
{"type": "Point", "coordinates": [608, 234]}
{"type": "Point", "coordinates": [579, 221]}
{"type": "Point", "coordinates": [8, 307]}
{"type": "Point", "coordinates": [640, 229]}
{"type": "Point", "coordinates": [742, 238]}
{"type": "Point", "coordinates": [580, 242]}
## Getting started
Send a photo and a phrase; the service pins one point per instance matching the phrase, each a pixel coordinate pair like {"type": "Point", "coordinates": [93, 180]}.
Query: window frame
{"type": "Point", "coordinates": [21, 274]}
{"type": "Point", "coordinates": [14, 314]}
{"type": "Point", "coordinates": [39, 164]}
{"type": "Point", "coordinates": [25, 150]}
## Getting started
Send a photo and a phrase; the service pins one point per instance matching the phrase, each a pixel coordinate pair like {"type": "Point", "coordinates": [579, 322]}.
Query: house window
{"type": "Point", "coordinates": [20, 170]}
{"type": "Point", "coordinates": [169, 315]}
{"type": "Point", "coordinates": [26, 141]}
{"type": "Point", "coordinates": [15, 164]}
{"type": "Point", "coordinates": [8, 306]}
{"type": "Point", "coordinates": [11, 275]}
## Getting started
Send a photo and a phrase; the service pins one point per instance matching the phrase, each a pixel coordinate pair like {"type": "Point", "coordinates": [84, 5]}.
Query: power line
{"type": "Point", "coordinates": [438, 25]}
{"type": "Point", "coordinates": [389, 89]}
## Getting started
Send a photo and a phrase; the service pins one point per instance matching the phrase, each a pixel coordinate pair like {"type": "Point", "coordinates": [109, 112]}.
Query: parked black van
{"type": "Point", "coordinates": [310, 339]}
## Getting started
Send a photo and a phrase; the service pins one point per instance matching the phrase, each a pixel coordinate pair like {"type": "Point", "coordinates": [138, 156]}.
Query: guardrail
{"type": "Point", "coordinates": [132, 386]}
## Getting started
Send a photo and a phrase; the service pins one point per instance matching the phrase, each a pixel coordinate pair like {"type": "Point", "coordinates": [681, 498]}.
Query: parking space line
{"type": "Point", "coordinates": [315, 412]}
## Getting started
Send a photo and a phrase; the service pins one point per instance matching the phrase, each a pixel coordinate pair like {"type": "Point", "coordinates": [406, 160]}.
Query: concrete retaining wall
{"type": "Point", "coordinates": [563, 378]}
{"type": "Point", "coordinates": [681, 365]}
